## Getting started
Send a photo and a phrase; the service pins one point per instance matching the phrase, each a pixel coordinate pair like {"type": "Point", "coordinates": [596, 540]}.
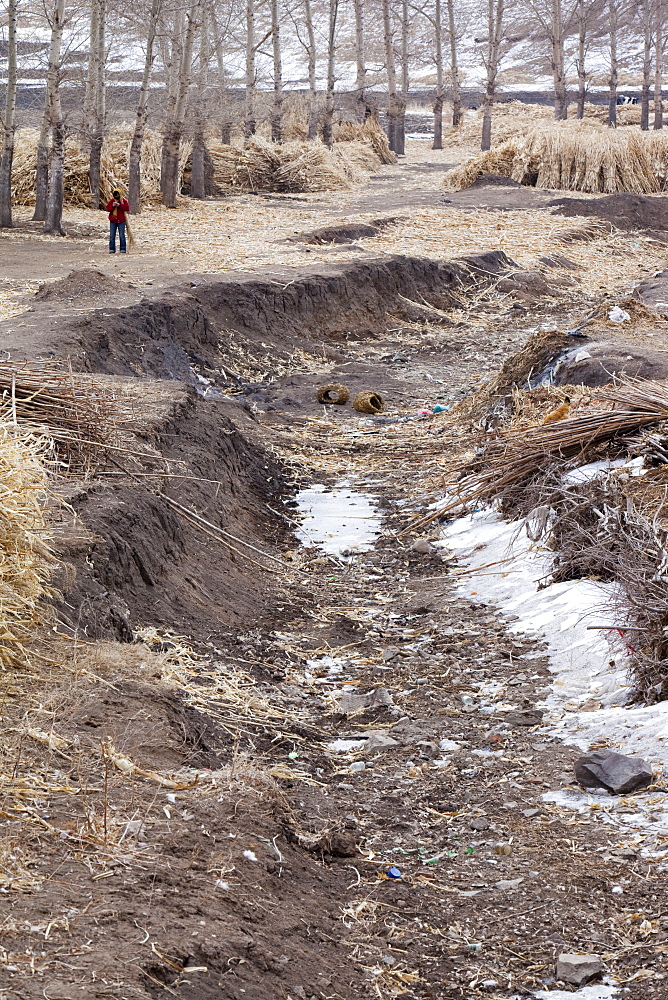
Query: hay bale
{"type": "Point", "coordinates": [368, 402]}
{"type": "Point", "coordinates": [574, 156]}
{"type": "Point", "coordinates": [368, 132]}
{"type": "Point", "coordinates": [334, 393]}
{"type": "Point", "coordinates": [25, 559]}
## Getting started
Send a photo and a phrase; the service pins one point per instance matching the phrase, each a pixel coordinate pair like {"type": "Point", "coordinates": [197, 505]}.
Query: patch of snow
{"type": "Point", "coordinates": [337, 519]}
{"type": "Point", "coordinates": [584, 993]}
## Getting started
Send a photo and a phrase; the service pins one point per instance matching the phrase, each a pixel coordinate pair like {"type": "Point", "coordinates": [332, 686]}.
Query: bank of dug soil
{"type": "Point", "coordinates": [176, 820]}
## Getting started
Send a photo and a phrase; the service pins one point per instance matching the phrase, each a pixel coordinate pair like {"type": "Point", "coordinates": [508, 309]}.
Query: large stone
{"type": "Point", "coordinates": [614, 771]}
{"type": "Point", "coordinates": [578, 969]}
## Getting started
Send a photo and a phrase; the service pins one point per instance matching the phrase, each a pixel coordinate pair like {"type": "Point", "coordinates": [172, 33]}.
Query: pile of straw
{"type": "Point", "coordinates": [290, 167]}
{"type": "Point", "coordinates": [512, 119]}
{"type": "Point", "coordinates": [510, 461]}
{"type": "Point", "coordinates": [575, 156]}
{"type": "Point", "coordinates": [114, 172]}
{"type": "Point", "coordinates": [25, 560]}
{"type": "Point", "coordinates": [370, 133]}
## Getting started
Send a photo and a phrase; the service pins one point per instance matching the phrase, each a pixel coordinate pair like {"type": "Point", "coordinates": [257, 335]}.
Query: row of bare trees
{"type": "Point", "coordinates": [196, 53]}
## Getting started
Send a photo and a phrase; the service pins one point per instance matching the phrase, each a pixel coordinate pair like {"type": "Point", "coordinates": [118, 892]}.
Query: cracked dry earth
{"type": "Point", "coordinates": [186, 827]}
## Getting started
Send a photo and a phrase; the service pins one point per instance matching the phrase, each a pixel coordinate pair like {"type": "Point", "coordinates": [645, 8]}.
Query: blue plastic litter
{"type": "Point", "coordinates": [393, 872]}
{"type": "Point", "coordinates": [440, 409]}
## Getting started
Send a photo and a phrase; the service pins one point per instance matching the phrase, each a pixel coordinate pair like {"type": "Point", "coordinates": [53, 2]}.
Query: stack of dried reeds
{"type": "Point", "coordinates": [74, 411]}
{"type": "Point", "coordinates": [575, 156]}
{"type": "Point", "coordinates": [114, 167]}
{"type": "Point", "coordinates": [368, 132]}
{"type": "Point", "coordinates": [511, 460]}
{"type": "Point", "coordinates": [290, 167]}
{"type": "Point", "coordinates": [25, 559]}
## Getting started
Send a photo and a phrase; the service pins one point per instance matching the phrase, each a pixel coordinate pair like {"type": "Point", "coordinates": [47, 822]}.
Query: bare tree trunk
{"type": "Point", "coordinates": [52, 82]}
{"type": "Point", "coordinates": [55, 194]}
{"type": "Point", "coordinates": [197, 179]}
{"type": "Point", "coordinates": [646, 64]}
{"type": "Point", "coordinates": [582, 42]}
{"type": "Point", "coordinates": [360, 59]}
{"type": "Point", "coordinates": [495, 12]}
{"type": "Point", "coordinates": [327, 136]}
{"type": "Point", "coordinates": [223, 93]}
{"type": "Point", "coordinates": [403, 98]}
{"type": "Point", "coordinates": [42, 170]}
{"type": "Point", "coordinates": [440, 87]}
{"type": "Point", "coordinates": [658, 66]}
{"type": "Point", "coordinates": [312, 81]}
{"type": "Point", "coordinates": [277, 109]}
{"type": "Point", "coordinates": [96, 70]}
{"type": "Point", "coordinates": [249, 117]}
{"type": "Point", "coordinates": [454, 66]}
{"type": "Point", "coordinates": [612, 99]}
{"type": "Point", "coordinates": [557, 60]}
{"type": "Point", "coordinates": [134, 171]}
{"type": "Point", "coordinates": [169, 180]}
{"type": "Point", "coordinates": [7, 155]}
{"type": "Point", "coordinates": [390, 68]}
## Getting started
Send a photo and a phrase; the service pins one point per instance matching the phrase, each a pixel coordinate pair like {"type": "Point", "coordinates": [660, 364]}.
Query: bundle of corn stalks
{"type": "Point", "coordinates": [73, 410]}
{"type": "Point", "coordinates": [25, 560]}
{"type": "Point", "coordinates": [510, 461]}
{"type": "Point", "coordinates": [574, 156]}
{"type": "Point", "coordinates": [114, 167]}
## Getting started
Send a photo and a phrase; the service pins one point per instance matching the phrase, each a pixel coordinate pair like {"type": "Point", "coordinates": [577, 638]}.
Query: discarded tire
{"type": "Point", "coordinates": [368, 402]}
{"type": "Point", "coordinates": [336, 394]}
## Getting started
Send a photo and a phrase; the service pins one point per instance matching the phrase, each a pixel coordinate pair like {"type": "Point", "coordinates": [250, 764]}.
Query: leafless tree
{"type": "Point", "coordinates": [440, 84]}
{"type": "Point", "coordinates": [182, 56]}
{"type": "Point", "coordinates": [391, 71]}
{"type": "Point", "coordinates": [491, 59]}
{"type": "Point", "coordinates": [454, 65]}
{"type": "Point", "coordinates": [95, 105]}
{"type": "Point", "coordinates": [134, 167]}
{"type": "Point", "coordinates": [360, 61]}
{"type": "Point", "coordinates": [277, 108]}
{"type": "Point", "coordinates": [646, 14]}
{"type": "Point", "coordinates": [659, 14]}
{"type": "Point", "coordinates": [613, 26]}
{"type": "Point", "coordinates": [328, 117]}
{"type": "Point", "coordinates": [53, 215]}
{"type": "Point", "coordinates": [7, 155]}
{"type": "Point", "coordinates": [197, 181]}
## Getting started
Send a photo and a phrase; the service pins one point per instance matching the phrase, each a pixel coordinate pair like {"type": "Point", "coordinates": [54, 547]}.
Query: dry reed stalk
{"type": "Point", "coordinates": [517, 455]}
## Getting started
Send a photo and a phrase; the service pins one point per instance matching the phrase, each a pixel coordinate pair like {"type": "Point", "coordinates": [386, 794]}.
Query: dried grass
{"type": "Point", "coordinates": [574, 156]}
{"type": "Point", "coordinates": [25, 558]}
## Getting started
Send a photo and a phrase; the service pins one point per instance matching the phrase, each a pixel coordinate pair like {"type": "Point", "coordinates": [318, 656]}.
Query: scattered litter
{"type": "Point", "coordinates": [393, 872]}
{"type": "Point", "coordinates": [250, 855]}
{"type": "Point", "coordinates": [618, 315]}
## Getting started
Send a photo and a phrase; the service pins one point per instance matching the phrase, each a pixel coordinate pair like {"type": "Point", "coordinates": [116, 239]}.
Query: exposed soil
{"type": "Point", "coordinates": [626, 211]}
{"type": "Point", "coordinates": [189, 833]}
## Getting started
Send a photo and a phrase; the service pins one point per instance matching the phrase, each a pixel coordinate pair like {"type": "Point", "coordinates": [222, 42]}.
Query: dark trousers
{"type": "Point", "coordinates": [113, 227]}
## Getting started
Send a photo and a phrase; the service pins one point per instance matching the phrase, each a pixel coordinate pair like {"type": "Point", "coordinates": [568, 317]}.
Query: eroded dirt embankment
{"type": "Point", "coordinates": [129, 557]}
{"type": "Point", "coordinates": [183, 828]}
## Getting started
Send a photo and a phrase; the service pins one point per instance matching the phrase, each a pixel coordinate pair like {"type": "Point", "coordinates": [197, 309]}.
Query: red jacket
{"type": "Point", "coordinates": [117, 214]}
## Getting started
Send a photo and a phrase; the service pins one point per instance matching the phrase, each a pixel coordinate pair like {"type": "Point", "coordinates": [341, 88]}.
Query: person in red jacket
{"type": "Point", "coordinates": [117, 207]}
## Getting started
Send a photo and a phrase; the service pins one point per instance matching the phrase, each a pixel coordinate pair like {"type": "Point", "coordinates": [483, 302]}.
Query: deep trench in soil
{"type": "Point", "coordinates": [246, 858]}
